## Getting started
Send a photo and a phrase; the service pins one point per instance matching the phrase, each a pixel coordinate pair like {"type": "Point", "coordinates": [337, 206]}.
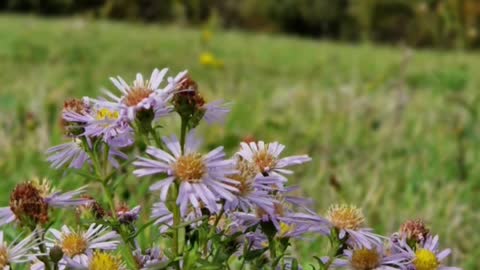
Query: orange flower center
{"type": "Point", "coordinates": [190, 168]}
{"type": "Point", "coordinates": [136, 95]}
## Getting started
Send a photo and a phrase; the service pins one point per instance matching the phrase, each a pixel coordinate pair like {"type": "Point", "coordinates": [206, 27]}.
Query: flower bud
{"type": "Point", "coordinates": [56, 254]}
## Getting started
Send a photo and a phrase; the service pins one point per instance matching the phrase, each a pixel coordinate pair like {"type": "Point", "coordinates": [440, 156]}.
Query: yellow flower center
{"type": "Point", "coordinates": [106, 114]}
{"type": "Point", "coordinates": [136, 95]}
{"type": "Point", "coordinates": [245, 177]}
{"type": "Point", "coordinates": [3, 256]}
{"type": "Point", "coordinates": [73, 244]}
{"type": "Point", "coordinates": [345, 217]}
{"type": "Point", "coordinates": [190, 168]}
{"type": "Point", "coordinates": [425, 260]}
{"type": "Point", "coordinates": [365, 259]}
{"type": "Point", "coordinates": [104, 261]}
{"type": "Point", "coordinates": [285, 229]}
{"type": "Point", "coordinates": [264, 161]}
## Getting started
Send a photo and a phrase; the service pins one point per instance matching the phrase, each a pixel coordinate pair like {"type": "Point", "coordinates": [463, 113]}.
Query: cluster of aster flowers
{"type": "Point", "coordinates": [207, 210]}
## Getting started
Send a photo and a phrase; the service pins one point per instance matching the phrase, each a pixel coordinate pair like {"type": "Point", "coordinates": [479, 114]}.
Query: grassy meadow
{"type": "Point", "coordinates": [392, 130]}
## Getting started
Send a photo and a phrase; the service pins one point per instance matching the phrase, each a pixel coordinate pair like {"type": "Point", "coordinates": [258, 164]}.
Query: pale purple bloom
{"type": "Point", "coordinates": [87, 261]}
{"type": "Point", "coordinates": [202, 178]}
{"type": "Point", "coordinates": [74, 155]}
{"type": "Point", "coordinates": [97, 237]}
{"type": "Point", "coordinates": [105, 123]}
{"type": "Point", "coordinates": [164, 218]}
{"type": "Point", "coordinates": [267, 158]}
{"type": "Point", "coordinates": [153, 258]}
{"type": "Point", "coordinates": [127, 216]}
{"type": "Point", "coordinates": [71, 153]}
{"type": "Point", "coordinates": [216, 111]}
{"type": "Point", "coordinates": [143, 94]}
{"type": "Point", "coordinates": [384, 261]}
{"type": "Point", "coordinates": [18, 252]}
{"type": "Point", "coordinates": [426, 252]}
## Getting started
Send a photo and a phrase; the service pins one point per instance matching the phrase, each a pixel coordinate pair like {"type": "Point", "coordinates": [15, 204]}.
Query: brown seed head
{"type": "Point", "coordinates": [187, 94]}
{"type": "Point", "coordinates": [28, 205]}
{"type": "Point", "coordinates": [415, 230]}
{"type": "Point", "coordinates": [264, 161]}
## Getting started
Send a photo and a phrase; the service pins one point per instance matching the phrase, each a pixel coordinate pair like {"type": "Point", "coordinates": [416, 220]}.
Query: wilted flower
{"type": "Point", "coordinates": [17, 253]}
{"type": "Point", "coordinates": [414, 231]}
{"type": "Point", "coordinates": [201, 178]}
{"type": "Point", "coordinates": [266, 158]}
{"type": "Point", "coordinates": [97, 260]}
{"type": "Point", "coordinates": [30, 202]}
{"type": "Point", "coordinates": [190, 104]}
{"type": "Point", "coordinates": [77, 106]}
{"type": "Point", "coordinates": [79, 245]}
{"type": "Point", "coordinates": [349, 221]}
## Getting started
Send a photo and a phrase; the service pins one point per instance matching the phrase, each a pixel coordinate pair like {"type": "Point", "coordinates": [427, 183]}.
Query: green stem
{"type": "Point", "coordinates": [273, 252]}
{"type": "Point", "coordinates": [183, 132]}
{"type": "Point", "coordinates": [43, 250]}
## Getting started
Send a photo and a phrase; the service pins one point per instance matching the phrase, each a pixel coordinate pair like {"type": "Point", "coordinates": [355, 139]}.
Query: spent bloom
{"type": "Point", "coordinates": [189, 103]}
{"type": "Point", "coordinates": [79, 245]}
{"type": "Point", "coordinates": [31, 200]}
{"type": "Point", "coordinates": [202, 179]}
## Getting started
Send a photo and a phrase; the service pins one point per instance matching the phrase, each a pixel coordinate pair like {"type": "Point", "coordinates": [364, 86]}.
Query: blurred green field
{"type": "Point", "coordinates": [392, 130]}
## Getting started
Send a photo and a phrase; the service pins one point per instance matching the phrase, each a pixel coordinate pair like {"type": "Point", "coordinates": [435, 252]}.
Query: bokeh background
{"type": "Point", "coordinates": [384, 95]}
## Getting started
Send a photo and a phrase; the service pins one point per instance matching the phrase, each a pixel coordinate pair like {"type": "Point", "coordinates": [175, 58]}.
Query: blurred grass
{"type": "Point", "coordinates": [391, 130]}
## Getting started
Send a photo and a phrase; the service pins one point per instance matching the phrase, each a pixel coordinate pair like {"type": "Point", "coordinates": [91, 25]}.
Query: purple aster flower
{"type": "Point", "coordinates": [361, 258]}
{"type": "Point", "coordinates": [128, 216]}
{"type": "Point", "coordinates": [78, 246]}
{"type": "Point", "coordinates": [105, 123]}
{"type": "Point", "coordinates": [19, 252]}
{"type": "Point", "coordinates": [74, 155]}
{"type": "Point", "coordinates": [164, 218]}
{"type": "Point", "coordinates": [348, 220]}
{"type": "Point", "coordinates": [253, 189]}
{"type": "Point", "coordinates": [31, 201]}
{"type": "Point", "coordinates": [97, 260]}
{"type": "Point", "coordinates": [202, 179]}
{"type": "Point", "coordinates": [428, 256]}
{"type": "Point", "coordinates": [143, 94]}
{"type": "Point", "coordinates": [153, 258]}
{"type": "Point", "coordinates": [71, 153]}
{"type": "Point", "coordinates": [216, 111]}
{"type": "Point", "coordinates": [266, 158]}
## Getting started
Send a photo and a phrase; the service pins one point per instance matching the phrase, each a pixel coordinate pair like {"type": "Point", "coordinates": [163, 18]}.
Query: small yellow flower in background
{"type": "Point", "coordinates": [208, 60]}
{"type": "Point", "coordinates": [206, 35]}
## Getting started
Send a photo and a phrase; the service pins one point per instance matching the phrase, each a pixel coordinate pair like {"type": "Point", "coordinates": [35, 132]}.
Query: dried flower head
{"type": "Point", "coordinates": [415, 230]}
{"type": "Point", "coordinates": [28, 205]}
{"type": "Point", "coordinates": [345, 216]}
